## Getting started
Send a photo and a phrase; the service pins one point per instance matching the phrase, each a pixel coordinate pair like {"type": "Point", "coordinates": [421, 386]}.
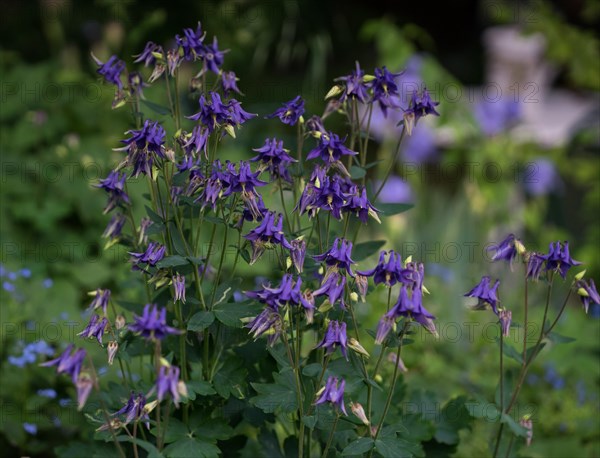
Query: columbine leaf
{"type": "Point", "coordinates": [230, 379]}
{"type": "Point", "coordinates": [172, 261]}
{"type": "Point", "coordinates": [359, 446]}
{"type": "Point", "coordinates": [365, 249]}
{"type": "Point", "coordinates": [357, 172]}
{"type": "Point", "coordinates": [230, 314]}
{"type": "Point", "coordinates": [190, 447]}
{"type": "Point", "coordinates": [557, 338]}
{"type": "Point", "coordinates": [156, 107]}
{"type": "Point", "coordinates": [391, 447]}
{"type": "Point", "coordinates": [278, 396]}
{"type": "Point", "coordinates": [201, 320]}
{"type": "Point", "coordinates": [515, 427]}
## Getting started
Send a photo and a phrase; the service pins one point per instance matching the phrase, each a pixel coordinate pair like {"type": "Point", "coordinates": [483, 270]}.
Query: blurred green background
{"type": "Point", "coordinates": [516, 149]}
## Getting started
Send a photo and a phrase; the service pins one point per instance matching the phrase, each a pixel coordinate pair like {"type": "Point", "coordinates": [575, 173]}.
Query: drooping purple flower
{"type": "Point", "coordinates": [254, 210]}
{"type": "Point", "coordinates": [535, 263]}
{"type": "Point", "coordinates": [94, 328]}
{"type": "Point", "coordinates": [174, 59]}
{"type": "Point", "coordinates": [507, 249]}
{"type": "Point", "coordinates": [179, 286]}
{"type": "Point", "coordinates": [385, 89]}
{"type": "Point", "coordinates": [290, 112]}
{"type": "Point", "coordinates": [354, 85]}
{"type": "Point", "coordinates": [191, 42]}
{"type": "Point", "coordinates": [167, 383]}
{"type": "Point", "coordinates": [111, 70]}
{"type": "Point", "coordinates": [486, 294]}
{"type": "Point", "coordinates": [297, 253]}
{"type": "Point", "coordinates": [274, 158]}
{"type": "Point", "coordinates": [268, 321]}
{"type": "Point", "coordinates": [213, 186]}
{"type": "Point", "coordinates": [195, 141]}
{"type": "Point", "coordinates": [587, 293]}
{"type": "Point", "coordinates": [335, 336]}
{"type": "Point", "coordinates": [420, 105]}
{"type": "Point", "coordinates": [286, 293]}
{"type": "Point", "coordinates": [268, 233]}
{"type": "Point", "coordinates": [314, 124]}
{"type": "Point", "coordinates": [229, 83]}
{"type": "Point", "coordinates": [328, 196]}
{"type": "Point", "coordinates": [101, 299]}
{"type": "Point", "coordinates": [338, 256]}
{"type": "Point", "coordinates": [145, 223]}
{"type": "Point", "coordinates": [114, 185]}
{"type": "Point", "coordinates": [541, 178]}
{"type": "Point", "coordinates": [153, 254]}
{"type": "Point", "coordinates": [358, 204]}
{"type": "Point", "coordinates": [114, 226]}
{"type": "Point", "coordinates": [133, 410]}
{"type": "Point", "coordinates": [147, 55]}
{"type": "Point", "coordinates": [242, 180]}
{"type": "Point", "coordinates": [143, 147]}
{"type": "Point", "coordinates": [68, 362]}
{"type": "Point", "coordinates": [330, 149]}
{"type": "Point", "coordinates": [387, 272]}
{"type": "Point", "coordinates": [333, 286]}
{"type": "Point", "coordinates": [213, 112]}
{"type": "Point", "coordinates": [136, 84]}
{"type": "Point", "coordinates": [237, 115]}
{"type": "Point", "coordinates": [494, 117]}
{"type": "Point", "coordinates": [559, 259]}
{"type": "Point", "coordinates": [333, 393]}
{"type": "Point", "coordinates": [212, 57]}
{"type": "Point", "coordinates": [112, 348]}
{"type": "Point", "coordinates": [152, 325]}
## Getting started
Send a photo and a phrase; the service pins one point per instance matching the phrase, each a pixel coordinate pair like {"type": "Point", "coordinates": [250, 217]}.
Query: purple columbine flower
{"type": "Point", "coordinates": [111, 70]}
{"type": "Point", "coordinates": [145, 223]}
{"type": "Point", "coordinates": [290, 112]}
{"type": "Point", "coordinates": [167, 383]}
{"type": "Point", "coordinates": [419, 106]}
{"type": "Point", "coordinates": [387, 272]}
{"type": "Point", "coordinates": [94, 328]}
{"type": "Point", "coordinates": [143, 147]}
{"type": "Point", "coordinates": [147, 55]}
{"type": "Point", "coordinates": [213, 112]}
{"type": "Point", "coordinates": [587, 293]}
{"type": "Point", "coordinates": [275, 159]}
{"type": "Point", "coordinates": [338, 256]}
{"type": "Point", "coordinates": [229, 83]}
{"type": "Point", "coordinates": [212, 56]}
{"type": "Point", "coordinates": [385, 89]}
{"type": "Point", "coordinates": [133, 410]}
{"type": "Point", "coordinates": [559, 259]}
{"type": "Point", "coordinates": [101, 299]}
{"type": "Point", "coordinates": [153, 323]}
{"type": "Point", "coordinates": [485, 294]}
{"type": "Point", "coordinates": [237, 115]}
{"type": "Point", "coordinates": [268, 233]}
{"type": "Point", "coordinates": [136, 84]}
{"type": "Point", "coordinates": [114, 226]}
{"type": "Point", "coordinates": [114, 185]}
{"type": "Point", "coordinates": [153, 254]}
{"type": "Point", "coordinates": [68, 362]}
{"type": "Point", "coordinates": [507, 249]}
{"type": "Point", "coordinates": [333, 286]}
{"type": "Point", "coordinates": [297, 253]}
{"type": "Point", "coordinates": [354, 85]}
{"type": "Point", "coordinates": [497, 116]}
{"type": "Point", "coordinates": [333, 393]}
{"type": "Point", "coordinates": [268, 321]}
{"type": "Point", "coordinates": [179, 285]}
{"type": "Point", "coordinates": [245, 181]}
{"type": "Point", "coordinates": [359, 205]}
{"type": "Point", "coordinates": [535, 263]}
{"type": "Point", "coordinates": [314, 124]}
{"type": "Point", "coordinates": [194, 142]}
{"type": "Point", "coordinates": [335, 336]}
{"type": "Point", "coordinates": [191, 42]}
{"type": "Point", "coordinates": [330, 149]}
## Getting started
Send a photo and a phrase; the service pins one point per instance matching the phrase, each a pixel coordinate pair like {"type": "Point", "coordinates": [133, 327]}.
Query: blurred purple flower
{"type": "Point", "coordinates": [496, 117]}
{"type": "Point", "coordinates": [541, 177]}
{"type": "Point", "coordinates": [396, 190]}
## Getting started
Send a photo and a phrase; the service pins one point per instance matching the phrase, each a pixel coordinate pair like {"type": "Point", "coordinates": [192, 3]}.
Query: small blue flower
{"type": "Point", "coordinates": [25, 273]}
{"type": "Point", "coordinates": [47, 393]}
{"type": "Point", "coordinates": [8, 286]}
{"type": "Point", "coordinates": [31, 428]}
{"type": "Point", "coordinates": [47, 283]}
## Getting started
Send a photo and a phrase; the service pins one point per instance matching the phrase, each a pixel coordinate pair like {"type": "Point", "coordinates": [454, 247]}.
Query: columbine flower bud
{"type": "Point", "coordinates": [528, 425]}
{"type": "Point", "coordinates": [84, 386]}
{"type": "Point", "coordinates": [409, 122]}
{"type": "Point", "coordinates": [179, 285]}
{"type": "Point", "coordinates": [357, 347]}
{"type": "Point", "coordinates": [362, 284]}
{"type": "Point", "coordinates": [112, 349]}
{"type": "Point", "coordinates": [505, 319]}
{"type": "Point", "coordinates": [378, 378]}
{"type": "Point", "coordinates": [334, 91]}
{"type": "Point", "coordinates": [357, 409]}
{"type": "Point", "coordinates": [298, 253]}
{"type": "Point", "coordinates": [182, 388]}
{"type": "Point", "coordinates": [119, 322]}
{"type": "Point", "coordinates": [392, 358]}
{"type": "Point", "coordinates": [580, 275]}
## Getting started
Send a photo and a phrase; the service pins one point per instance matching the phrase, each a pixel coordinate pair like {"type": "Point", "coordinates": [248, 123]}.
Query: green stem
{"type": "Point", "coordinates": [330, 438]}
{"type": "Point", "coordinates": [391, 166]}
